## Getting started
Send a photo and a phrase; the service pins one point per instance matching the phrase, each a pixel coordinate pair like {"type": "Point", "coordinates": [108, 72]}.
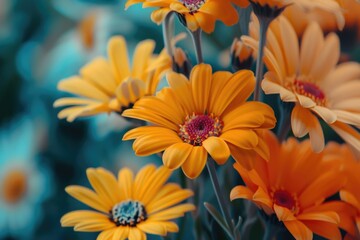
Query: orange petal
{"type": "Point", "coordinates": [175, 155]}
{"type": "Point", "coordinates": [195, 163]}
{"type": "Point", "coordinates": [217, 148]}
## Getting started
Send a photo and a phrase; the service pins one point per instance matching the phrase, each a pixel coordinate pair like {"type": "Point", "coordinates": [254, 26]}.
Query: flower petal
{"type": "Point", "coordinates": [217, 148]}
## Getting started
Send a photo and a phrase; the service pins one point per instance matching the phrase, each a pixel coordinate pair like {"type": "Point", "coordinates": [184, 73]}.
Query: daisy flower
{"type": "Point", "coordinates": [275, 7]}
{"type": "Point", "coordinates": [208, 114]}
{"type": "Point", "coordinates": [293, 185]}
{"type": "Point", "coordinates": [350, 192]}
{"type": "Point", "coordinates": [300, 18]}
{"type": "Point", "coordinates": [130, 206]}
{"type": "Point", "coordinates": [195, 13]}
{"type": "Point", "coordinates": [308, 76]}
{"type": "Point", "coordinates": [24, 184]}
{"type": "Point", "coordinates": [106, 86]}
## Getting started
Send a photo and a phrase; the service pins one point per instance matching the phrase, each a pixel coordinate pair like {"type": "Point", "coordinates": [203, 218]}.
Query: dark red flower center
{"type": "Point", "coordinates": [310, 90]}
{"type": "Point", "coordinates": [193, 5]}
{"type": "Point", "coordinates": [197, 128]}
{"type": "Point", "coordinates": [284, 199]}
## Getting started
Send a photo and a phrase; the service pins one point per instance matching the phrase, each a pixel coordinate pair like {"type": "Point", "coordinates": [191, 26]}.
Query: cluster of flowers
{"type": "Point", "coordinates": [204, 116]}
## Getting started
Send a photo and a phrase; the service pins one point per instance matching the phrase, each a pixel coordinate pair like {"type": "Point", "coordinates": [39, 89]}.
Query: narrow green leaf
{"type": "Point", "coordinates": [218, 218]}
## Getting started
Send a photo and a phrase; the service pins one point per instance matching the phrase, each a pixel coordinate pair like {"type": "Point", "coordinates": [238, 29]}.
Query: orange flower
{"type": "Point", "coordinates": [293, 185]}
{"type": "Point", "coordinates": [300, 18]}
{"type": "Point", "coordinates": [206, 115]}
{"type": "Point", "coordinates": [308, 75]}
{"type": "Point", "coordinates": [351, 191]}
{"type": "Point", "coordinates": [195, 13]}
{"type": "Point", "coordinates": [331, 6]}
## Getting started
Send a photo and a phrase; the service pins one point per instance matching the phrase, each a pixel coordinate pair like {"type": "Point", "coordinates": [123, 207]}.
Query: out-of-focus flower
{"type": "Point", "coordinates": [300, 18]}
{"type": "Point", "coordinates": [111, 85]}
{"type": "Point", "coordinates": [308, 75]}
{"type": "Point", "coordinates": [208, 114]}
{"type": "Point", "coordinates": [293, 185]}
{"type": "Point", "coordinates": [128, 207]}
{"type": "Point", "coordinates": [241, 55]}
{"type": "Point", "coordinates": [267, 7]}
{"type": "Point", "coordinates": [195, 13]}
{"type": "Point", "coordinates": [350, 193]}
{"type": "Point", "coordinates": [24, 185]}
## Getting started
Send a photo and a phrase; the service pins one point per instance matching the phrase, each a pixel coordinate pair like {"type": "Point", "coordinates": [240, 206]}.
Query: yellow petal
{"type": "Point", "coordinates": [152, 227]}
{"type": "Point", "coordinates": [117, 52]}
{"type": "Point", "coordinates": [172, 213]}
{"type": "Point", "coordinates": [141, 59]}
{"type": "Point", "coordinates": [195, 163]}
{"type": "Point", "coordinates": [88, 197]}
{"type": "Point", "coordinates": [200, 79]}
{"type": "Point", "coordinates": [175, 155]}
{"type": "Point", "coordinates": [217, 148]}
{"type": "Point", "coordinates": [126, 182]}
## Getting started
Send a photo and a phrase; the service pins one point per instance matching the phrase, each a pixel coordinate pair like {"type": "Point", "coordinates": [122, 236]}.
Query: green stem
{"type": "Point", "coordinates": [167, 33]}
{"type": "Point", "coordinates": [196, 37]}
{"type": "Point", "coordinates": [284, 124]}
{"type": "Point", "coordinates": [270, 231]}
{"type": "Point", "coordinates": [264, 25]}
{"type": "Point", "coordinates": [219, 195]}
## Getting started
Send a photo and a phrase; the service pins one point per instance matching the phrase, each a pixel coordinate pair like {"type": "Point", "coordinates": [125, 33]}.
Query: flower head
{"type": "Point", "coordinates": [194, 13]}
{"type": "Point", "coordinates": [293, 185]}
{"type": "Point", "coordinates": [24, 184]}
{"type": "Point", "coordinates": [300, 18]}
{"type": "Point", "coordinates": [111, 85]}
{"type": "Point", "coordinates": [308, 75]}
{"type": "Point", "coordinates": [350, 193]}
{"type": "Point", "coordinates": [128, 207]}
{"type": "Point", "coordinates": [207, 114]}
{"type": "Point", "coordinates": [272, 8]}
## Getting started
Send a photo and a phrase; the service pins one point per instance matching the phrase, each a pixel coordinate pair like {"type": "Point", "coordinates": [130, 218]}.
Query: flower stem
{"type": "Point", "coordinates": [284, 124]}
{"type": "Point", "coordinates": [167, 33]}
{"type": "Point", "coordinates": [196, 37]}
{"type": "Point", "coordinates": [270, 231]}
{"type": "Point", "coordinates": [264, 25]}
{"type": "Point", "coordinates": [219, 195]}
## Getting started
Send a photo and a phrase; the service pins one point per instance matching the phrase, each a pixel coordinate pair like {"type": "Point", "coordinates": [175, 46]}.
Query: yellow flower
{"type": "Point", "coordinates": [106, 86]}
{"type": "Point", "coordinates": [308, 75]}
{"type": "Point", "coordinates": [196, 13]}
{"type": "Point", "coordinates": [129, 207]}
{"type": "Point", "coordinates": [208, 114]}
{"type": "Point", "coordinates": [293, 185]}
{"type": "Point", "coordinates": [331, 6]}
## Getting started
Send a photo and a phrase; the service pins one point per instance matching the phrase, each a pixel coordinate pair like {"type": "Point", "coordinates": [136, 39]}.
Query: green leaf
{"type": "Point", "coordinates": [218, 218]}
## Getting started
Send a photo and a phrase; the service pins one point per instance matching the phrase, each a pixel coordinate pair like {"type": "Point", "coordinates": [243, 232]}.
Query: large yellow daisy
{"type": "Point", "coordinates": [293, 185]}
{"type": "Point", "coordinates": [308, 75]}
{"type": "Point", "coordinates": [208, 114]}
{"type": "Point", "coordinates": [195, 13]}
{"type": "Point", "coordinates": [130, 206]}
{"type": "Point", "coordinates": [106, 86]}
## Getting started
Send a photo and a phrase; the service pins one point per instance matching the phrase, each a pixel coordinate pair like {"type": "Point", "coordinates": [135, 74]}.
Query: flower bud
{"type": "Point", "coordinates": [241, 55]}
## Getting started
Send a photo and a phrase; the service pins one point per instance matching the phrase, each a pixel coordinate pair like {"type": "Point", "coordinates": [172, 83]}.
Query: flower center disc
{"type": "Point", "coordinates": [284, 199]}
{"type": "Point", "coordinates": [310, 90]}
{"type": "Point", "coordinates": [128, 213]}
{"type": "Point", "coordinates": [14, 186]}
{"type": "Point", "coordinates": [193, 5]}
{"type": "Point", "coordinates": [197, 128]}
